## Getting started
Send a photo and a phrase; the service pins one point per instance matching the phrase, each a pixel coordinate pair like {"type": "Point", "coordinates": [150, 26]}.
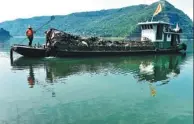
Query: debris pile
{"type": "Point", "coordinates": [64, 41]}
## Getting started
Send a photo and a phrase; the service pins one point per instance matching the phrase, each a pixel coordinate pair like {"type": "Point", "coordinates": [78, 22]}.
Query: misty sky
{"type": "Point", "coordinates": [13, 9]}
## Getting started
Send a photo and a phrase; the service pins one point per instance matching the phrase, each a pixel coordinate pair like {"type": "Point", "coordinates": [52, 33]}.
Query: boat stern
{"type": "Point", "coordinates": [28, 51]}
{"type": "Point", "coordinates": [183, 47]}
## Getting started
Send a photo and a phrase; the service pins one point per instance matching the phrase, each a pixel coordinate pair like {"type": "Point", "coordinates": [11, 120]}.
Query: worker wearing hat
{"type": "Point", "coordinates": [30, 35]}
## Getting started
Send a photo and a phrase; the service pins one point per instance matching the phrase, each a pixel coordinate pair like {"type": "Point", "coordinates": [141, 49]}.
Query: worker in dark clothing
{"type": "Point", "coordinates": [30, 35]}
{"type": "Point", "coordinates": [48, 37]}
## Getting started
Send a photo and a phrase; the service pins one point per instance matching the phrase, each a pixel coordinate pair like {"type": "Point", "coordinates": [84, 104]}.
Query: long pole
{"type": "Point", "coordinates": [51, 19]}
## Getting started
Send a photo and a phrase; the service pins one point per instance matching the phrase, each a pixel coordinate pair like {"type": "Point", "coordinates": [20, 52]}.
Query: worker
{"type": "Point", "coordinates": [30, 35]}
{"type": "Point", "coordinates": [48, 37]}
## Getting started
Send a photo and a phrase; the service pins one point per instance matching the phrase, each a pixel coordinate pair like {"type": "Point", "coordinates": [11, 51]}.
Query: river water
{"type": "Point", "coordinates": [152, 89]}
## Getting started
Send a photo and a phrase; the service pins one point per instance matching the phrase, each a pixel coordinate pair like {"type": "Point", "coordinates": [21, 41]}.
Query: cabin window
{"type": "Point", "coordinates": [159, 32]}
{"type": "Point", "coordinates": [166, 29]}
{"type": "Point", "coordinates": [168, 35]}
{"type": "Point", "coordinates": [142, 26]}
{"type": "Point", "coordinates": [147, 27]}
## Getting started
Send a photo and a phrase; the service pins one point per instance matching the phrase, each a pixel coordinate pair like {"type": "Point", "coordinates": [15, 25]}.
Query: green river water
{"type": "Point", "coordinates": [152, 89]}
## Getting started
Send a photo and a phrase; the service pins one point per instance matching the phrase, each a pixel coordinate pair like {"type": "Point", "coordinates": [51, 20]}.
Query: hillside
{"type": "Point", "coordinates": [4, 35]}
{"type": "Point", "coordinates": [120, 22]}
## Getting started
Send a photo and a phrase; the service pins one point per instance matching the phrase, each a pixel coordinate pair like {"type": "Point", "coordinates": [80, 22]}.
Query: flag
{"type": "Point", "coordinates": [158, 10]}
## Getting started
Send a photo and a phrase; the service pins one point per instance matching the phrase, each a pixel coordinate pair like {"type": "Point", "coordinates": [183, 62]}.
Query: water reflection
{"type": "Point", "coordinates": [161, 68]}
{"type": "Point", "coordinates": [31, 79]}
{"type": "Point", "coordinates": [152, 89]}
{"type": "Point", "coordinates": [144, 68]}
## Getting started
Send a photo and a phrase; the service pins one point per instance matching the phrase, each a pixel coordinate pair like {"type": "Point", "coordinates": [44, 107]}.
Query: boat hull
{"type": "Point", "coordinates": [27, 51]}
{"type": "Point", "coordinates": [112, 53]}
{"type": "Point", "coordinates": [42, 52]}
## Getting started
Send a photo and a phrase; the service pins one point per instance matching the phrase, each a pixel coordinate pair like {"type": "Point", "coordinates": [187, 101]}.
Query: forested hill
{"type": "Point", "coordinates": [113, 22]}
{"type": "Point", "coordinates": [4, 35]}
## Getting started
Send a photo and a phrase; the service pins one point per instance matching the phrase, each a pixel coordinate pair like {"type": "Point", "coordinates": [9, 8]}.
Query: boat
{"type": "Point", "coordinates": [157, 37]}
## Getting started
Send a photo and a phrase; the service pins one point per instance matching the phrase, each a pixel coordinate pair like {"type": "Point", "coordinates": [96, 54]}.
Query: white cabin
{"type": "Point", "coordinates": [160, 33]}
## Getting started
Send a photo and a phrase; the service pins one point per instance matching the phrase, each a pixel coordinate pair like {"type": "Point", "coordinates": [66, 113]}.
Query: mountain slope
{"type": "Point", "coordinates": [4, 35]}
{"type": "Point", "coordinates": [114, 22]}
